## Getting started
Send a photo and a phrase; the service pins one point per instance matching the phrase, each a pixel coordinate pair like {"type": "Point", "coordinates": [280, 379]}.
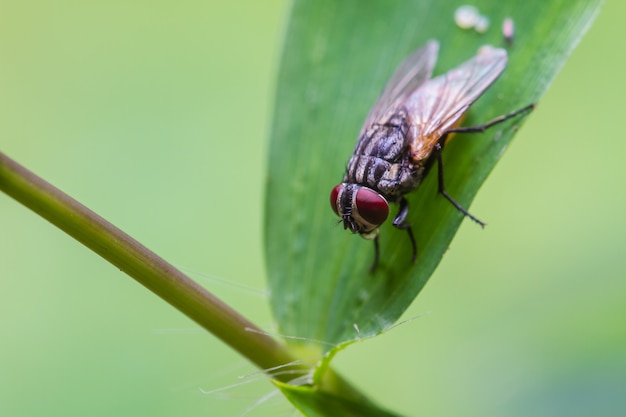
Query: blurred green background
{"type": "Point", "coordinates": [155, 115]}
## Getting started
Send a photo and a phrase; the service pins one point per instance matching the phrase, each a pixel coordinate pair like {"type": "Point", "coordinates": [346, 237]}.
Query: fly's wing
{"type": "Point", "coordinates": [414, 71]}
{"type": "Point", "coordinates": [438, 104]}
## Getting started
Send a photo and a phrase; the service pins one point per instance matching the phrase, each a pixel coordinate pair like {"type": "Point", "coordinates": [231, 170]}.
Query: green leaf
{"type": "Point", "coordinates": [337, 57]}
{"type": "Point", "coordinates": [312, 402]}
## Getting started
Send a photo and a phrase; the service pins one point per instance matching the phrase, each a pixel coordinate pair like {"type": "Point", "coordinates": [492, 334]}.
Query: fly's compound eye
{"type": "Point", "coordinates": [333, 198]}
{"type": "Point", "coordinates": [372, 207]}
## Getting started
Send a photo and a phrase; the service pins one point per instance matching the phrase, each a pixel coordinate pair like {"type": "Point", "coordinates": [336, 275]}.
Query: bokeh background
{"type": "Point", "coordinates": [155, 115]}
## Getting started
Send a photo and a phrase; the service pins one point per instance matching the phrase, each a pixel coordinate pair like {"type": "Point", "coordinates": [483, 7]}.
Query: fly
{"type": "Point", "coordinates": [405, 133]}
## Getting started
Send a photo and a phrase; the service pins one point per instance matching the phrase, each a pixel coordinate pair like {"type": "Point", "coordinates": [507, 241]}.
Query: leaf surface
{"type": "Point", "coordinates": [337, 57]}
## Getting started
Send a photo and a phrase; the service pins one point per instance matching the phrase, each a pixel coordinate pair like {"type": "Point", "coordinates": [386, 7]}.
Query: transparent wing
{"type": "Point", "coordinates": [438, 104]}
{"type": "Point", "coordinates": [414, 71]}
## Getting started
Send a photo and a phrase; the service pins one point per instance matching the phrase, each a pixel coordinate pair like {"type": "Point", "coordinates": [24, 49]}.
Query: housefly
{"type": "Point", "coordinates": [404, 134]}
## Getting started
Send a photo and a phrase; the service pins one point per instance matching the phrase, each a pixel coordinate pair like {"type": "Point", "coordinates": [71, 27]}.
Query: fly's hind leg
{"type": "Point", "coordinates": [442, 189]}
{"type": "Point", "coordinates": [485, 126]}
{"type": "Point", "coordinates": [468, 129]}
{"type": "Point", "coordinates": [402, 223]}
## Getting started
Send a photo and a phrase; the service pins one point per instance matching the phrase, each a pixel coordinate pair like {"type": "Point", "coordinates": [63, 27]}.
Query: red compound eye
{"type": "Point", "coordinates": [372, 207]}
{"type": "Point", "coordinates": [333, 198]}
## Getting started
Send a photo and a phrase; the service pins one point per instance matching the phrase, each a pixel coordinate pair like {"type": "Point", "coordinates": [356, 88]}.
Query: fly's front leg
{"type": "Point", "coordinates": [401, 223]}
{"type": "Point", "coordinates": [376, 255]}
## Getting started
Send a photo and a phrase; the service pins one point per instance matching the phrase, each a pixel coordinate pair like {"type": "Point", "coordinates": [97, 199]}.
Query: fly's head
{"type": "Point", "coordinates": [362, 210]}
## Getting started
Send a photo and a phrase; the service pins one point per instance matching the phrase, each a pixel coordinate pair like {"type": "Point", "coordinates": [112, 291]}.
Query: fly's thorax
{"type": "Point", "coordinates": [387, 140]}
{"type": "Point", "coordinates": [361, 209]}
{"type": "Point", "coordinates": [382, 159]}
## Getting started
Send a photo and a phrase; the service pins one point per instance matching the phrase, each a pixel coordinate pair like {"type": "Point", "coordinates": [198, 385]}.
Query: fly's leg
{"type": "Point", "coordinates": [468, 129]}
{"type": "Point", "coordinates": [485, 126]}
{"type": "Point", "coordinates": [401, 223]}
{"type": "Point", "coordinates": [376, 255]}
{"type": "Point", "coordinates": [442, 189]}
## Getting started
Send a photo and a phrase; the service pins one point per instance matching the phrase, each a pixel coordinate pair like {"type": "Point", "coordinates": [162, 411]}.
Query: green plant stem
{"type": "Point", "coordinates": [157, 275]}
{"type": "Point", "coordinates": [144, 266]}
